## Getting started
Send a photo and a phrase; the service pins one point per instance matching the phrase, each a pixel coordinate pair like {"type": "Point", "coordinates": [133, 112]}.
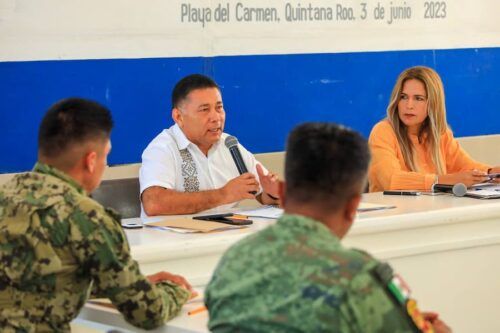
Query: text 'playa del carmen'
{"type": "Point", "coordinates": [388, 12]}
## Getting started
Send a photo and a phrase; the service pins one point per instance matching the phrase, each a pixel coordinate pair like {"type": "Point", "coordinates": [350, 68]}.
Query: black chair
{"type": "Point", "coordinates": [120, 194]}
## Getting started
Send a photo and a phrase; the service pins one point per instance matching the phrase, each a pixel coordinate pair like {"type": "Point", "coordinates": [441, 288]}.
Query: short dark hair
{"type": "Point", "coordinates": [72, 121]}
{"type": "Point", "coordinates": [188, 84]}
{"type": "Point", "coordinates": [325, 163]}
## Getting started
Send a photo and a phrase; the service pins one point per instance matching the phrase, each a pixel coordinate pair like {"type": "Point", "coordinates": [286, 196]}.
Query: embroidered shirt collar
{"type": "Point", "coordinates": [180, 138]}
{"type": "Point", "coordinates": [49, 170]}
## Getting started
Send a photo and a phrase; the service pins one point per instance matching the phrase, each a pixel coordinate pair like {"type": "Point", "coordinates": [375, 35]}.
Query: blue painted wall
{"type": "Point", "coordinates": [264, 96]}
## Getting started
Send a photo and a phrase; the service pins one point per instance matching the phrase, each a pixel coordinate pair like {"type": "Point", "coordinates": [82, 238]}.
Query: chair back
{"type": "Point", "coordinates": [120, 194]}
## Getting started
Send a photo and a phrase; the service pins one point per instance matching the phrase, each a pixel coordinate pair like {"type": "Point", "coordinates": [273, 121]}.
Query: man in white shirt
{"type": "Point", "coordinates": [187, 168]}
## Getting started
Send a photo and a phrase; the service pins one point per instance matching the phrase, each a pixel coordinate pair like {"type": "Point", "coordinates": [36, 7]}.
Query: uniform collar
{"type": "Point", "coordinates": [49, 170]}
{"type": "Point", "coordinates": [305, 225]}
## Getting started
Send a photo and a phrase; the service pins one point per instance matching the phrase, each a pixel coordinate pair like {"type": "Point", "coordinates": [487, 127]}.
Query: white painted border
{"type": "Point", "coordinates": [95, 29]}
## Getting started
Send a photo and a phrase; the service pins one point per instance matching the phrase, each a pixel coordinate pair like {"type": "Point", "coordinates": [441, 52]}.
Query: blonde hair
{"type": "Point", "coordinates": [435, 123]}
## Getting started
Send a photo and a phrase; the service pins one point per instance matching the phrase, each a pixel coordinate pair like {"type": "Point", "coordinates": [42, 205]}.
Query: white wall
{"type": "Point", "coordinates": [96, 29]}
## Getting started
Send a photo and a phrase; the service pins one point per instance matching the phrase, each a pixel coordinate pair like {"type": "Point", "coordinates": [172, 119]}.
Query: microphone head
{"type": "Point", "coordinates": [459, 189]}
{"type": "Point", "coordinates": [231, 141]}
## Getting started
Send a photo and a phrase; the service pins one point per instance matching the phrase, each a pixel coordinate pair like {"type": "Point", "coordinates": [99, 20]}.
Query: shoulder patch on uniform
{"type": "Point", "coordinates": [401, 293]}
{"type": "Point", "coordinates": [394, 283]}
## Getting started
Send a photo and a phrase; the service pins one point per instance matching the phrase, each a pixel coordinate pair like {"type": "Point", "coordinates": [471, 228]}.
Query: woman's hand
{"type": "Point", "coordinates": [468, 178]}
{"type": "Point", "coordinates": [495, 170]}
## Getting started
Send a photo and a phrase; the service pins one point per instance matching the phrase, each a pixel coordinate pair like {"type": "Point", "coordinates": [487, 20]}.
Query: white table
{"type": "Point", "coordinates": [183, 323]}
{"type": "Point", "coordinates": [447, 249]}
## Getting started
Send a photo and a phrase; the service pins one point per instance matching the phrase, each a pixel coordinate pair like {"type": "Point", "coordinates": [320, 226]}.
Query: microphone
{"type": "Point", "coordinates": [232, 144]}
{"type": "Point", "coordinates": [459, 189]}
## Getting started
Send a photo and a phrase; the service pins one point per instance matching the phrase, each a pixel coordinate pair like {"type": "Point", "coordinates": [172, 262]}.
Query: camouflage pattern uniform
{"type": "Point", "coordinates": [295, 276]}
{"type": "Point", "coordinates": [56, 243]}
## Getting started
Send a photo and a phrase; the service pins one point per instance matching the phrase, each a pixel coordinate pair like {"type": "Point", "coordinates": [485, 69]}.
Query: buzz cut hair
{"type": "Point", "coordinates": [326, 164]}
{"type": "Point", "coordinates": [72, 121]}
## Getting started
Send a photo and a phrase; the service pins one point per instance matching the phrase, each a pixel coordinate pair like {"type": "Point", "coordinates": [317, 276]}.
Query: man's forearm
{"type": "Point", "coordinates": [150, 306]}
{"type": "Point", "coordinates": [160, 201]}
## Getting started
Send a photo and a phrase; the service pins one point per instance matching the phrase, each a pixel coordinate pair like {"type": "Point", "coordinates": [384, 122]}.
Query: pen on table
{"type": "Point", "coordinates": [197, 310]}
{"type": "Point", "coordinates": [402, 193]}
{"type": "Point", "coordinates": [238, 217]}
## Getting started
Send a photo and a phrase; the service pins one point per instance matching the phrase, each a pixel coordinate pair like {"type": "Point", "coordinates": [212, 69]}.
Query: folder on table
{"type": "Point", "coordinates": [188, 224]}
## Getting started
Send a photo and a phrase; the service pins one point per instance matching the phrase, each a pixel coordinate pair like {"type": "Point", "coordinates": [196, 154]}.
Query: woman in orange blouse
{"type": "Point", "coordinates": [413, 147]}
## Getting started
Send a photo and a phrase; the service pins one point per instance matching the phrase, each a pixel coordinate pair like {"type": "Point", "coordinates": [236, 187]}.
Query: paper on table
{"type": "Point", "coordinates": [178, 230]}
{"type": "Point", "coordinates": [268, 212]}
{"type": "Point", "coordinates": [273, 212]}
{"type": "Point", "coordinates": [367, 207]}
{"type": "Point", "coordinates": [489, 191]}
{"type": "Point", "coordinates": [190, 225]}
{"type": "Point", "coordinates": [481, 185]}
{"type": "Point", "coordinates": [102, 302]}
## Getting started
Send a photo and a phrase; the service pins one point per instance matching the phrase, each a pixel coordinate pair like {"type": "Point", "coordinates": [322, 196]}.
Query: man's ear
{"type": "Point", "coordinates": [281, 192]}
{"type": "Point", "coordinates": [177, 116]}
{"type": "Point", "coordinates": [351, 208]}
{"type": "Point", "coordinates": [90, 161]}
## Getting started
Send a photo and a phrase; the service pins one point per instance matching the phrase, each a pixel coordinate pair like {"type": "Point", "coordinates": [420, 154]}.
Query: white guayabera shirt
{"type": "Point", "coordinates": [172, 161]}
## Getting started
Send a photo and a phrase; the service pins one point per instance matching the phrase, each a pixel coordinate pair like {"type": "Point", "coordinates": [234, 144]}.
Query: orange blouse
{"type": "Point", "coordinates": [388, 170]}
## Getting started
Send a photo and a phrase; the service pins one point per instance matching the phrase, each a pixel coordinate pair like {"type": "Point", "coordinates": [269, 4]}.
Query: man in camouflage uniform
{"type": "Point", "coordinates": [56, 243]}
{"type": "Point", "coordinates": [295, 276]}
